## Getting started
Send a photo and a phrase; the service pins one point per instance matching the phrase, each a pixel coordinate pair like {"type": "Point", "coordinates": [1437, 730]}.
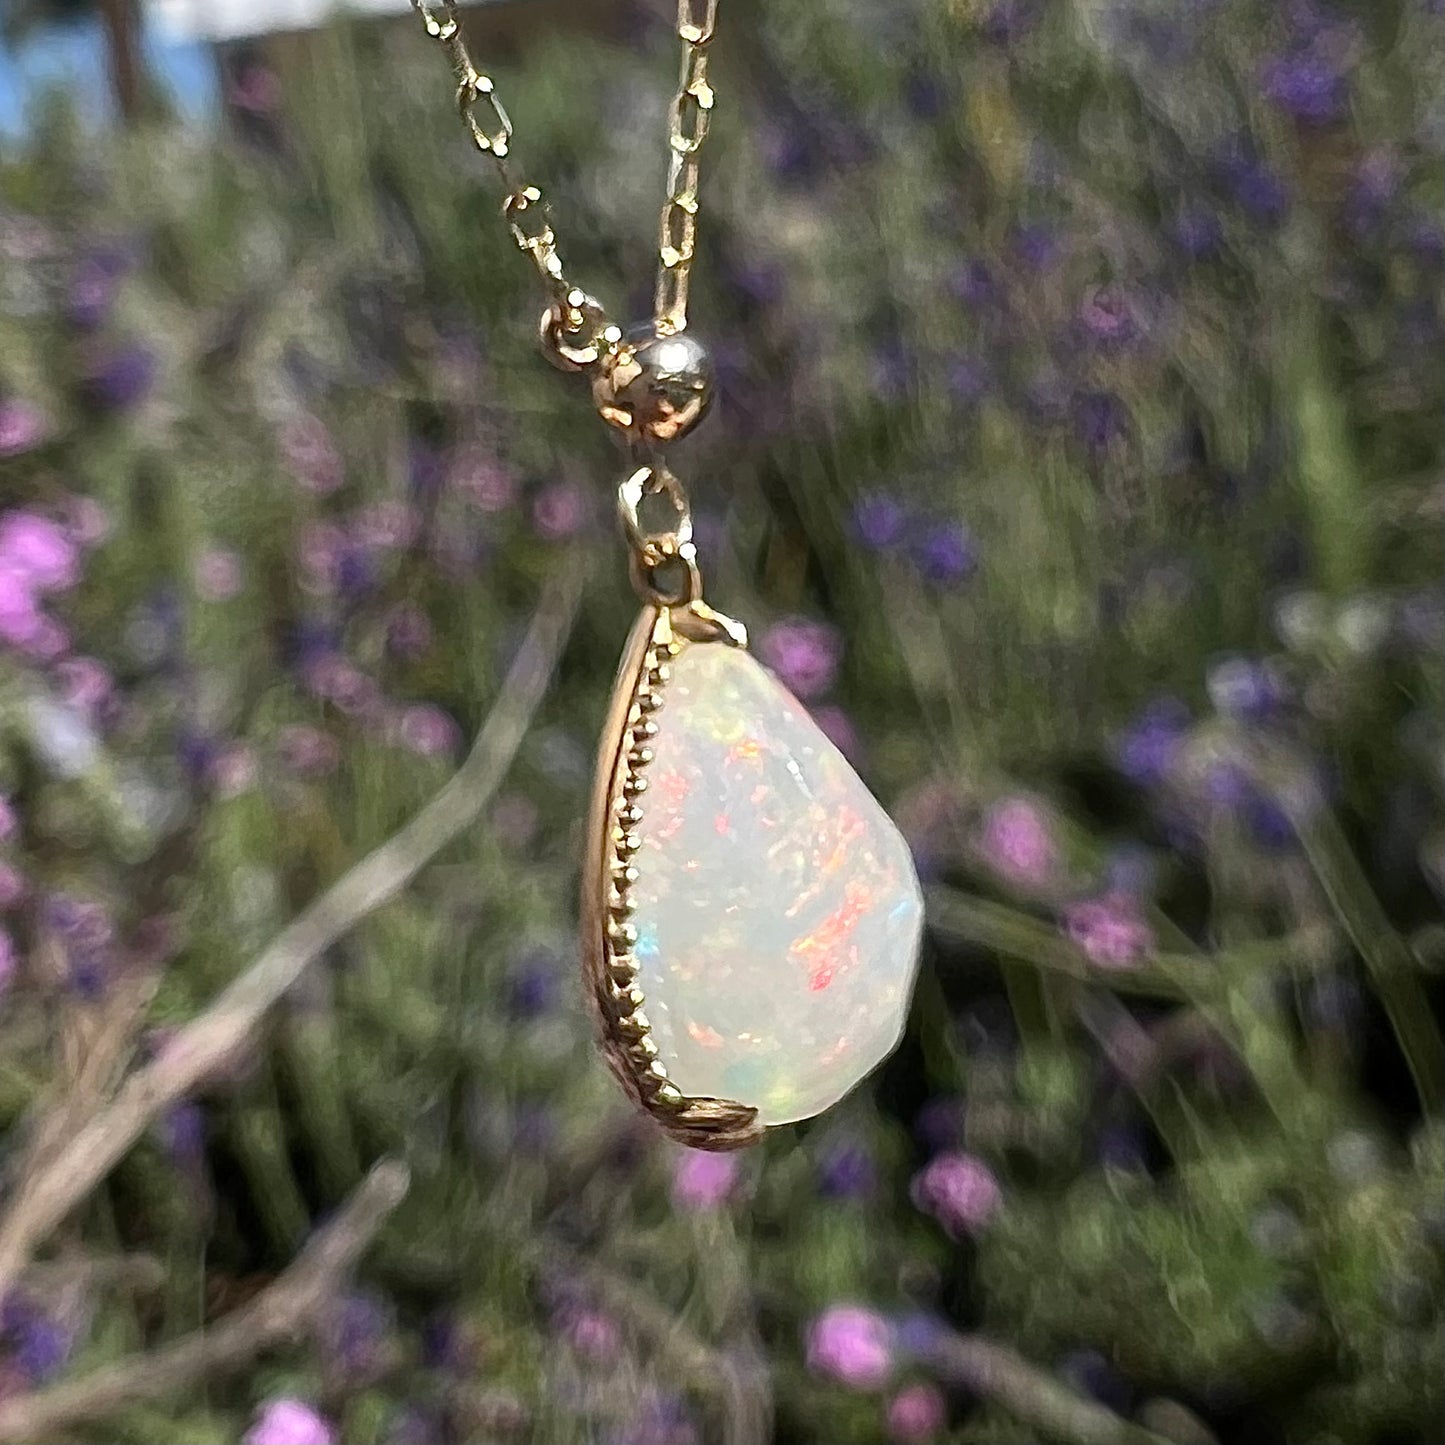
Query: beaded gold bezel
{"type": "Point", "coordinates": [608, 936]}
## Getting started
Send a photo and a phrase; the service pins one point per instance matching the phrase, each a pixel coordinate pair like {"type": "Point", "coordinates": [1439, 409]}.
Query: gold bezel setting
{"type": "Point", "coordinates": [609, 966]}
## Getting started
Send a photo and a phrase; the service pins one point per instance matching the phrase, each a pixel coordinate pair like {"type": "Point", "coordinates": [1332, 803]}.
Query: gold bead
{"type": "Point", "coordinates": [654, 388]}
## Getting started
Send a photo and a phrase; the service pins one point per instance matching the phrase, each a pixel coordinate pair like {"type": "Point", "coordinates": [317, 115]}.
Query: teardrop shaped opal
{"type": "Point", "coordinates": [777, 910]}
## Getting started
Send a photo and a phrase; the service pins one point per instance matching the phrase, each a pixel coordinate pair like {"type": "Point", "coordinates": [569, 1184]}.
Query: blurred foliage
{"type": "Point", "coordinates": [1075, 365]}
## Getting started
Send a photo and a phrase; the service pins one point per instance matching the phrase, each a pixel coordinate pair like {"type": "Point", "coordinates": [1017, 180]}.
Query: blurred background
{"type": "Point", "coordinates": [1077, 461]}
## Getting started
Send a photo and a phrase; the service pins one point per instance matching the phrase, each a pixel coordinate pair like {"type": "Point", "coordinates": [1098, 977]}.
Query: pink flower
{"type": "Point", "coordinates": [1017, 842]}
{"type": "Point", "coordinates": [289, 1422]}
{"type": "Point", "coordinates": [21, 620]}
{"type": "Point", "coordinates": [561, 511]}
{"type": "Point", "coordinates": [917, 1414]}
{"type": "Point", "coordinates": [484, 482]}
{"type": "Point", "coordinates": [702, 1181]}
{"type": "Point", "coordinates": [852, 1345]}
{"type": "Point", "coordinates": [1110, 930]}
{"type": "Point", "coordinates": [307, 750]}
{"type": "Point", "coordinates": [592, 1334]}
{"type": "Point", "coordinates": [22, 426]}
{"type": "Point", "coordinates": [38, 551]}
{"type": "Point", "coordinates": [386, 525]}
{"type": "Point", "coordinates": [312, 455]}
{"type": "Point", "coordinates": [339, 680]}
{"type": "Point", "coordinates": [234, 770]}
{"type": "Point", "coordinates": [804, 654]}
{"type": "Point", "coordinates": [9, 823]}
{"type": "Point", "coordinates": [86, 685]}
{"type": "Point", "coordinates": [959, 1191]}
{"type": "Point", "coordinates": [218, 574]}
{"type": "Point", "coordinates": [428, 731]}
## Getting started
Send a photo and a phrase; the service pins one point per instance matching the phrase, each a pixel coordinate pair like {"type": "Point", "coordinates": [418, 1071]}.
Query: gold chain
{"type": "Point", "coordinates": [686, 131]}
{"type": "Point", "coordinates": [526, 211]}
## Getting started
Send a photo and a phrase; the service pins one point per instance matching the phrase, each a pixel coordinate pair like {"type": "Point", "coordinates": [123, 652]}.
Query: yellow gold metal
{"type": "Point", "coordinates": [609, 970]}
{"type": "Point", "coordinates": [525, 208]}
{"type": "Point", "coordinates": [687, 129]}
{"type": "Point", "coordinates": [652, 386]}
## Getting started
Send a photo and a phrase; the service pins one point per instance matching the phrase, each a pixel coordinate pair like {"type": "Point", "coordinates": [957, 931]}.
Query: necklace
{"type": "Point", "coordinates": [750, 916]}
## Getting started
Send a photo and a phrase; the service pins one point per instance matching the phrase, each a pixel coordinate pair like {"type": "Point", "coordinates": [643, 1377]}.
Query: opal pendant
{"type": "Point", "coordinates": [751, 916]}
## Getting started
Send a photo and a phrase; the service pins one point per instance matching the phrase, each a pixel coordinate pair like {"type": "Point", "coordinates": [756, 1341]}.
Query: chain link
{"type": "Point", "coordinates": [575, 329]}
{"type": "Point", "coordinates": [526, 211]}
{"type": "Point", "coordinates": [688, 119]}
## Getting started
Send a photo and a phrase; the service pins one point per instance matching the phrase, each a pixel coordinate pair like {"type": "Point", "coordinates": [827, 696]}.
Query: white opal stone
{"type": "Point", "coordinates": [777, 910]}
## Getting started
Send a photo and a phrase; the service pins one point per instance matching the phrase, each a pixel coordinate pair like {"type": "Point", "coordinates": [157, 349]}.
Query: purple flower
{"type": "Point", "coordinates": [1037, 245]}
{"type": "Point", "coordinates": [1110, 930]}
{"type": "Point", "coordinates": [22, 623]}
{"type": "Point", "coordinates": [38, 552]}
{"type": "Point", "coordinates": [354, 1334]}
{"type": "Point", "coordinates": [39, 1343]}
{"type": "Point", "coordinates": [123, 378]}
{"type": "Point", "coordinates": [1197, 231]}
{"type": "Point", "coordinates": [1017, 841]}
{"type": "Point", "coordinates": [851, 1344]}
{"type": "Point", "coordinates": [386, 526]}
{"type": "Point", "coordinates": [1100, 420]}
{"type": "Point", "coordinates": [1109, 318]}
{"type": "Point", "coordinates": [968, 378]}
{"type": "Point", "coordinates": [917, 1414]}
{"type": "Point", "coordinates": [428, 731]}
{"type": "Point", "coordinates": [846, 1169]}
{"type": "Point", "coordinates": [532, 983]}
{"type": "Point", "coordinates": [311, 455]}
{"type": "Point", "coordinates": [307, 750]}
{"type": "Point", "coordinates": [22, 426]}
{"type": "Point", "coordinates": [1245, 687]}
{"type": "Point", "coordinates": [804, 654]}
{"type": "Point", "coordinates": [959, 1190]}
{"type": "Point", "coordinates": [944, 553]}
{"type": "Point", "coordinates": [560, 511]}
{"type": "Point", "coordinates": [182, 1130]}
{"type": "Point", "coordinates": [482, 480]}
{"type": "Point", "coordinates": [1148, 749]}
{"type": "Point", "coordinates": [1009, 21]}
{"type": "Point", "coordinates": [879, 521]}
{"type": "Point", "coordinates": [289, 1422]}
{"type": "Point", "coordinates": [702, 1181]}
{"type": "Point", "coordinates": [593, 1334]}
{"type": "Point", "coordinates": [1310, 80]}
{"type": "Point", "coordinates": [1257, 190]}
{"type": "Point", "coordinates": [974, 284]}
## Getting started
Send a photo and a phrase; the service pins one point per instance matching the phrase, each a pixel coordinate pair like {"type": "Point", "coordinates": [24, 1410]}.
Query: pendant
{"type": "Point", "coordinates": [751, 916]}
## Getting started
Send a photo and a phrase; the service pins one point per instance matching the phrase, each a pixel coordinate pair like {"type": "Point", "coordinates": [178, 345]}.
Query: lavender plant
{"type": "Point", "coordinates": [1079, 453]}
